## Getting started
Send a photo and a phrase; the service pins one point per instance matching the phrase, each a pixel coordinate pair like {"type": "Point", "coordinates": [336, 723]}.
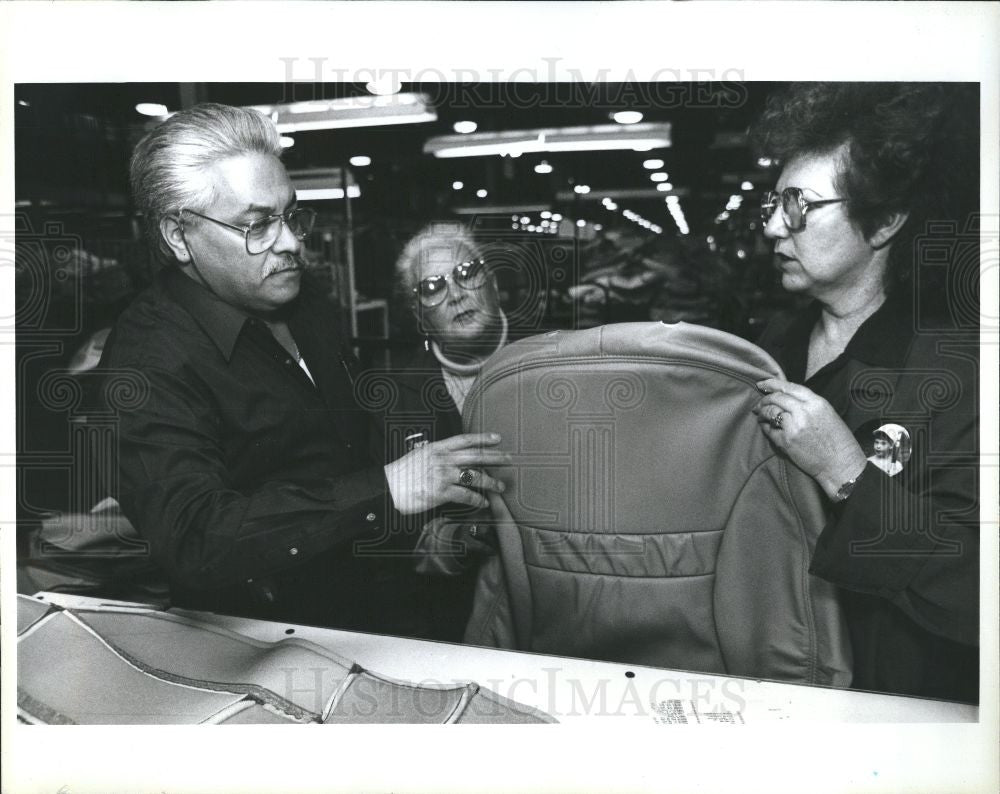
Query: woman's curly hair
{"type": "Point", "coordinates": [911, 147]}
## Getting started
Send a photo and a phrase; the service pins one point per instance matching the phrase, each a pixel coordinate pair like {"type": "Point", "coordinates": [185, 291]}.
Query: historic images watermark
{"type": "Point", "coordinates": [667, 699]}
{"type": "Point", "coordinates": [544, 84]}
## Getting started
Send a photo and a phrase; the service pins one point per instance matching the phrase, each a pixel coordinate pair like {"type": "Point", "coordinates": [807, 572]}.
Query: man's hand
{"type": "Point", "coordinates": [808, 429]}
{"type": "Point", "coordinates": [432, 475]}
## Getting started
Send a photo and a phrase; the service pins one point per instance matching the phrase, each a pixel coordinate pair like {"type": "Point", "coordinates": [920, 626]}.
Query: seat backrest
{"type": "Point", "coordinates": [647, 519]}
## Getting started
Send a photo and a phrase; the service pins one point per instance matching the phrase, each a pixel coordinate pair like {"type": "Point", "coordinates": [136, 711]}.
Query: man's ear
{"type": "Point", "coordinates": [883, 235]}
{"type": "Point", "coordinates": [172, 230]}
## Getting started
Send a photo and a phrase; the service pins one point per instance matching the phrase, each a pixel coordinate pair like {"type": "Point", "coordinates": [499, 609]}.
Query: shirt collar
{"type": "Point", "coordinates": [883, 340]}
{"type": "Point", "coordinates": [221, 321]}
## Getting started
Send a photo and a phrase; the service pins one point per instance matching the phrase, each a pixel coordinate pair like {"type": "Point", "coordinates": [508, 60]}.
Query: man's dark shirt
{"type": "Point", "coordinates": [904, 549]}
{"type": "Point", "coordinates": [249, 481]}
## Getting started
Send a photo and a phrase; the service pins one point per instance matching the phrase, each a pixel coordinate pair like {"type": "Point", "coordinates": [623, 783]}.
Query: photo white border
{"type": "Point", "coordinates": [192, 42]}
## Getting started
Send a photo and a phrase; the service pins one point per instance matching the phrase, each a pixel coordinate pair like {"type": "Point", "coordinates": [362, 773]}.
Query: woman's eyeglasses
{"type": "Point", "coordinates": [468, 275]}
{"type": "Point", "coordinates": [793, 207]}
{"type": "Point", "coordinates": [264, 233]}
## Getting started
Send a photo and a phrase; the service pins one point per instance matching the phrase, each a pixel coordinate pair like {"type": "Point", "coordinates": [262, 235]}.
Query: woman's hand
{"type": "Point", "coordinates": [446, 471]}
{"type": "Point", "coordinates": [810, 432]}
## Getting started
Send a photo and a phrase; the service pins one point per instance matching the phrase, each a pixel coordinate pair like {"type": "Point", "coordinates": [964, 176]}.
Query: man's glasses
{"type": "Point", "coordinates": [264, 233]}
{"type": "Point", "coordinates": [467, 275]}
{"type": "Point", "coordinates": [793, 207]}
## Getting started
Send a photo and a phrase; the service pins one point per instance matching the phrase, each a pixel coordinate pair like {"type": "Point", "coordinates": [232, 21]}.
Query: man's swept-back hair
{"type": "Point", "coordinates": [910, 147]}
{"type": "Point", "coordinates": [169, 165]}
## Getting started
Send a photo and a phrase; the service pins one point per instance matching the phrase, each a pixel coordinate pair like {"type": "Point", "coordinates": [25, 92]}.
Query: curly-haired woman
{"type": "Point", "coordinates": [871, 173]}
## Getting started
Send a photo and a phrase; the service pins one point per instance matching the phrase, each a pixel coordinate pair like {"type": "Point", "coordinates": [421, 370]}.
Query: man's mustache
{"type": "Point", "coordinates": [283, 264]}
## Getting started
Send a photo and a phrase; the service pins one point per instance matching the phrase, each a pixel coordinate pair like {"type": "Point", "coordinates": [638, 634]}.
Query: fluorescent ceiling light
{"type": "Point", "coordinates": [319, 184]}
{"type": "Point", "coordinates": [151, 109]}
{"type": "Point", "coordinates": [602, 137]}
{"type": "Point", "coordinates": [619, 195]}
{"type": "Point", "coordinates": [652, 165]}
{"type": "Point", "coordinates": [321, 194]}
{"type": "Point", "coordinates": [627, 116]}
{"type": "Point", "coordinates": [362, 111]}
{"type": "Point", "coordinates": [360, 160]}
{"type": "Point", "coordinates": [465, 127]}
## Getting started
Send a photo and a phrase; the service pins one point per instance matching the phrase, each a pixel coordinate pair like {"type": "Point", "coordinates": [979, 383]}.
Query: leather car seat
{"type": "Point", "coordinates": [646, 517]}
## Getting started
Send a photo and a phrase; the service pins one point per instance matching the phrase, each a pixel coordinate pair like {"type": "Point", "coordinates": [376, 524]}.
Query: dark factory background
{"type": "Point", "coordinates": [594, 204]}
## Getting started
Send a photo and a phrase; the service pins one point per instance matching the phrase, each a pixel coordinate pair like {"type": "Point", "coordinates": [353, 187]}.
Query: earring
{"type": "Point", "coordinates": [427, 345]}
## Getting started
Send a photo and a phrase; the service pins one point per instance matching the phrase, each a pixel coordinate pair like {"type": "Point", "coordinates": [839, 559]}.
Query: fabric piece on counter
{"type": "Point", "coordinates": [29, 611]}
{"type": "Point", "coordinates": [257, 714]}
{"type": "Point", "coordinates": [114, 665]}
{"type": "Point", "coordinates": [488, 708]}
{"type": "Point", "coordinates": [370, 698]}
{"type": "Point", "coordinates": [292, 674]}
{"type": "Point", "coordinates": [67, 674]}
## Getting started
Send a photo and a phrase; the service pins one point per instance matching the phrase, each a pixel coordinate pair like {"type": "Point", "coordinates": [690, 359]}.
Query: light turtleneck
{"type": "Point", "coordinates": [459, 377]}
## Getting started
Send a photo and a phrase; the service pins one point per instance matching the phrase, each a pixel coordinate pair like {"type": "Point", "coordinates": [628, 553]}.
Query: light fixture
{"type": "Point", "coordinates": [151, 109]}
{"type": "Point", "coordinates": [525, 219]}
{"type": "Point", "coordinates": [545, 214]}
{"type": "Point", "coordinates": [360, 111]}
{"type": "Point", "coordinates": [322, 194]}
{"type": "Point", "coordinates": [746, 186]}
{"type": "Point", "coordinates": [627, 116]}
{"type": "Point", "coordinates": [465, 127]}
{"type": "Point", "coordinates": [24, 103]}
{"type": "Point", "coordinates": [556, 217]}
{"type": "Point", "coordinates": [320, 184]}
{"type": "Point", "coordinates": [605, 137]}
{"type": "Point", "coordinates": [531, 227]}
{"type": "Point", "coordinates": [652, 165]}
{"type": "Point", "coordinates": [583, 190]}
{"type": "Point", "coordinates": [581, 223]}
{"type": "Point", "coordinates": [482, 193]}
{"type": "Point", "coordinates": [360, 160]}
{"type": "Point", "coordinates": [543, 168]}
{"type": "Point", "coordinates": [765, 162]}
{"type": "Point", "coordinates": [597, 227]}
{"type": "Point", "coordinates": [286, 141]}
{"type": "Point", "coordinates": [457, 185]}
{"type": "Point", "coordinates": [659, 176]}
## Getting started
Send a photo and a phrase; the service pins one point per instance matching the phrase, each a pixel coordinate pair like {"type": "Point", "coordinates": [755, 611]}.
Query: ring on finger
{"type": "Point", "coordinates": [467, 477]}
{"type": "Point", "coordinates": [777, 420]}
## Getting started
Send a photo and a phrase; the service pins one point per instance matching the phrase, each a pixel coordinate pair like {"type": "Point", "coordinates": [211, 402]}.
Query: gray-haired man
{"type": "Point", "coordinates": [245, 458]}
